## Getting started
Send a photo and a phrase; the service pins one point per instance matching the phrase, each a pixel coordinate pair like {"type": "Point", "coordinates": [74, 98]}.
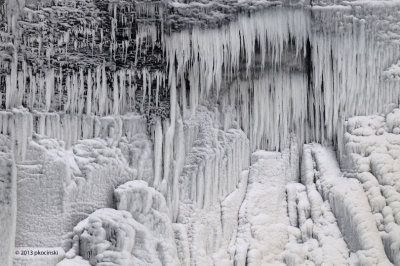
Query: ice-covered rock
{"type": "Point", "coordinates": [374, 161]}
{"type": "Point", "coordinates": [149, 208]}
{"type": "Point", "coordinates": [348, 203]}
{"type": "Point", "coordinates": [110, 236]}
{"type": "Point", "coordinates": [140, 232]}
{"type": "Point", "coordinates": [314, 235]}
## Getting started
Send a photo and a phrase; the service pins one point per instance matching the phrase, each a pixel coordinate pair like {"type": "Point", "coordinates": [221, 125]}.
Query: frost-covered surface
{"type": "Point", "coordinates": [149, 208]}
{"type": "Point", "coordinates": [393, 71]}
{"type": "Point", "coordinates": [263, 220]}
{"type": "Point", "coordinates": [112, 236]}
{"type": "Point", "coordinates": [208, 236]}
{"type": "Point", "coordinates": [8, 208]}
{"type": "Point", "coordinates": [129, 134]}
{"type": "Point", "coordinates": [314, 235]}
{"type": "Point", "coordinates": [65, 175]}
{"type": "Point", "coordinates": [139, 232]}
{"type": "Point", "coordinates": [372, 148]}
{"type": "Point", "coordinates": [216, 160]}
{"type": "Point", "coordinates": [348, 203]}
{"type": "Point", "coordinates": [210, 189]}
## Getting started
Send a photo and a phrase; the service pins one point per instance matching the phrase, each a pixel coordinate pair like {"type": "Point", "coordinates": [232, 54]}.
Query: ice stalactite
{"type": "Point", "coordinates": [344, 94]}
{"type": "Point", "coordinates": [212, 168]}
{"type": "Point", "coordinates": [329, 81]}
{"type": "Point", "coordinates": [18, 124]}
{"type": "Point", "coordinates": [261, 108]}
{"type": "Point", "coordinates": [158, 145]}
{"type": "Point", "coordinates": [82, 92]}
{"type": "Point", "coordinates": [212, 63]}
{"type": "Point", "coordinates": [202, 165]}
{"type": "Point", "coordinates": [69, 128]}
{"type": "Point", "coordinates": [14, 8]}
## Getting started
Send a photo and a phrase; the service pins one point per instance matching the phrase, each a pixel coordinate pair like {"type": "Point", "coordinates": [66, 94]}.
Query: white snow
{"type": "Point", "coordinates": [263, 220]}
{"type": "Point", "coordinates": [8, 198]}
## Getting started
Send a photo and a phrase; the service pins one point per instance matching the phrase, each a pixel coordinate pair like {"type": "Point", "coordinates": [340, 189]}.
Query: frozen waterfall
{"type": "Point", "coordinates": [199, 132]}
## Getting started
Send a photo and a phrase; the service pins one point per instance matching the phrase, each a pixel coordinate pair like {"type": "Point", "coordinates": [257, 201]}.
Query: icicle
{"type": "Point", "coordinates": [103, 91]}
{"type": "Point", "coordinates": [89, 93]}
{"type": "Point", "coordinates": [49, 88]}
{"type": "Point", "coordinates": [158, 145]}
{"type": "Point", "coordinates": [11, 83]}
{"type": "Point", "coordinates": [122, 93]}
{"type": "Point", "coordinates": [115, 94]}
{"type": "Point", "coordinates": [144, 78]}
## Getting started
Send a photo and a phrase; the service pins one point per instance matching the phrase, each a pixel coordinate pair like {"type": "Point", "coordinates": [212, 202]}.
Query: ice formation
{"type": "Point", "coordinates": [138, 232]}
{"type": "Point", "coordinates": [199, 132]}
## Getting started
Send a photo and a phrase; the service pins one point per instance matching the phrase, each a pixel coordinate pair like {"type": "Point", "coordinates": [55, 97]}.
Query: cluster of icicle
{"type": "Point", "coordinates": [127, 15]}
{"type": "Point", "coordinates": [21, 124]}
{"type": "Point", "coordinates": [313, 104]}
{"type": "Point", "coordinates": [86, 91]}
{"type": "Point", "coordinates": [85, 87]}
{"type": "Point", "coordinates": [80, 28]}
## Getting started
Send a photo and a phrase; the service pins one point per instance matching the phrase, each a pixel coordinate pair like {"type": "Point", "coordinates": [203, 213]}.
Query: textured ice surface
{"type": "Point", "coordinates": [149, 208]}
{"type": "Point", "coordinates": [59, 178]}
{"type": "Point", "coordinates": [127, 130]}
{"type": "Point", "coordinates": [8, 208]}
{"type": "Point", "coordinates": [372, 148]}
{"type": "Point", "coordinates": [113, 236]}
{"type": "Point", "coordinates": [139, 232]}
{"type": "Point", "coordinates": [314, 236]}
{"type": "Point", "coordinates": [263, 220]}
{"type": "Point", "coordinates": [348, 202]}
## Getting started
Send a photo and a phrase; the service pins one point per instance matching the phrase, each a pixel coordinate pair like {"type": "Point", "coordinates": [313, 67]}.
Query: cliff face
{"type": "Point", "coordinates": [135, 133]}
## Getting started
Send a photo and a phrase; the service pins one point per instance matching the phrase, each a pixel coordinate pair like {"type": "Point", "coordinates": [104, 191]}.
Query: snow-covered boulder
{"type": "Point", "coordinates": [149, 208]}
{"type": "Point", "coordinates": [111, 237]}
